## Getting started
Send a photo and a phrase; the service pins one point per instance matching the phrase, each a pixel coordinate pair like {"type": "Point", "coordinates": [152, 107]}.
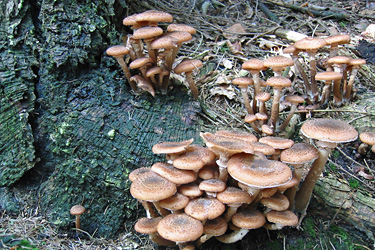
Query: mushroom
{"type": "Point", "coordinates": [118, 52]}
{"type": "Point", "coordinates": [328, 132]}
{"type": "Point", "coordinates": [367, 138]}
{"type": "Point", "coordinates": [262, 97]}
{"type": "Point", "coordinates": [175, 203]}
{"type": "Point", "coordinates": [355, 65]}
{"type": "Point", "coordinates": [278, 64]}
{"type": "Point", "coordinates": [336, 40]}
{"type": "Point", "coordinates": [180, 228]}
{"type": "Point", "coordinates": [339, 63]}
{"type": "Point", "coordinates": [245, 220]}
{"type": "Point", "coordinates": [278, 83]}
{"type": "Point", "coordinates": [211, 228]}
{"type": "Point", "coordinates": [187, 66]}
{"type": "Point", "coordinates": [277, 202]}
{"type": "Point", "coordinates": [311, 46]}
{"type": "Point", "coordinates": [175, 175]}
{"type": "Point", "coordinates": [295, 100]}
{"type": "Point", "coordinates": [278, 143]}
{"type": "Point", "coordinates": [212, 187]}
{"type": "Point", "coordinates": [148, 34]}
{"type": "Point", "coordinates": [171, 149]}
{"type": "Point", "coordinates": [328, 77]}
{"type": "Point", "coordinates": [194, 158]}
{"type": "Point", "coordinates": [77, 210]}
{"type": "Point", "coordinates": [143, 84]}
{"type": "Point", "coordinates": [298, 156]}
{"type": "Point", "coordinates": [142, 63]}
{"type": "Point", "coordinates": [280, 219]}
{"type": "Point", "coordinates": [243, 83]}
{"type": "Point", "coordinates": [151, 74]}
{"type": "Point", "coordinates": [204, 209]}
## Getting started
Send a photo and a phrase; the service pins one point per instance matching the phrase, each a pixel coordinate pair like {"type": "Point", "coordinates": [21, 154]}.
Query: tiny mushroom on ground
{"type": "Point", "coordinates": [77, 210]}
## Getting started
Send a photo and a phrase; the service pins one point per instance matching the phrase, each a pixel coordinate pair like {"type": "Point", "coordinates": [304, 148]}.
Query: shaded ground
{"type": "Point", "coordinates": [222, 108]}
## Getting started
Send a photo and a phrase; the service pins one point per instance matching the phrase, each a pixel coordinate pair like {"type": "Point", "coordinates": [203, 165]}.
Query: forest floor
{"type": "Point", "coordinates": [223, 52]}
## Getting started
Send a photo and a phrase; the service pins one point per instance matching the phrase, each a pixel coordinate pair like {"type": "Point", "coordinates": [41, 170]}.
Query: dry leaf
{"type": "Point", "coordinates": [227, 63]}
{"type": "Point", "coordinates": [234, 31]}
{"type": "Point", "coordinates": [227, 91]}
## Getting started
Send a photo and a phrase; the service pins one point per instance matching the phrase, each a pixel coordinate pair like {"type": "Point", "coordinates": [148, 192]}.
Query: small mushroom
{"type": "Point", "coordinates": [187, 66]}
{"type": "Point", "coordinates": [77, 210]}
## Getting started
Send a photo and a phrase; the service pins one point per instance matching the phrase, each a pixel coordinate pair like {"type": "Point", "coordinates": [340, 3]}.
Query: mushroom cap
{"type": "Point", "coordinates": [261, 116]}
{"type": "Point", "coordinates": [173, 174]}
{"type": "Point", "coordinates": [277, 142]}
{"type": "Point", "coordinates": [286, 218]}
{"type": "Point", "coordinates": [181, 36]}
{"type": "Point", "coordinates": [241, 135]}
{"type": "Point", "coordinates": [339, 60]}
{"type": "Point", "coordinates": [310, 44]}
{"type": "Point", "coordinates": [147, 32]}
{"type": "Point", "coordinates": [209, 172]}
{"type": "Point", "coordinates": [279, 82]}
{"type": "Point", "coordinates": [243, 81]}
{"type": "Point", "coordinates": [250, 118]}
{"type": "Point", "coordinates": [194, 158]}
{"type": "Point", "coordinates": [137, 172]}
{"type": "Point", "coordinates": [152, 187]}
{"type": "Point", "coordinates": [263, 148]}
{"type": "Point", "coordinates": [188, 65]}
{"type": "Point", "coordinates": [215, 227]}
{"type": "Point", "coordinates": [143, 84]}
{"type": "Point", "coordinates": [357, 62]}
{"type": "Point", "coordinates": [299, 153]}
{"type": "Point", "coordinates": [328, 76]}
{"type": "Point", "coordinates": [212, 185]}
{"type": "Point", "coordinates": [290, 50]}
{"type": "Point", "coordinates": [248, 219]}
{"type": "Point", "coordinates": [337, 39]}
{"type": "Point", "coordinates": [254, 64]}
{"type": "Point", "coordinates": [77, 210]}
{"type": "Point", "coordinates": [368, 138]}
{"type": "Point", "coordinates": [164, 42]}
{"type": "Point", "coordinates": [140, 62]}
{"type": "Point", "coordinates": [147, 225]}
{"type": "Point", "coordinates": [117, 50]}
{"type": "Point", "coordinates": [278, 202]}
{"type": "Point", "coordinates": [276, 62]}
{"type": "Point", "coordinates": [233, 195]}
{"type": "Point", "coordinates": [267, 129]}
{"type": "Point", "coordinates": [226, 146]}
{"type": "Point", "coordinates": [153, 71]}
{"type": "Point", "coordinates": [175, 202]}
{"type": "Point", "coordinates": [258, 172]}
{"type": "Point", "coordinates": [180, 228]}
{"type": "Point", "coordinates": [295, 99]}
{"type": "Point", "coordinates": [205, 208]}
{"type": "Point", "coordinates": [190, 190]}
{"type": "Point", "coordinates": [129, 20]}
{"type": "Point", "coordinates": [329, 130]}
{"type": "Point", "coordinates": [154, 16]}
{"type": "Point", "coordinates": [171, 147]}
{"type": "Point", "coordinates": [181, 27]}
{"type": "Point", "coordinates": [263, 96]}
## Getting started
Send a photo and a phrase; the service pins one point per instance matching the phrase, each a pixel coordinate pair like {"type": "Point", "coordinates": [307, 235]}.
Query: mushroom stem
{"type": "Point", "coordinates": [233, 237]}
{"type": "Point", "coordinates": [192, 86]}
{"type": "Point", "coordinates": [304, 193]}
{"type": "Point", "coordinates": [290, 193]}
{"type": "Point", "coordinates": [292, 111]}
{"type": "Point", "coordinates": [349, 87]}
{"type": "Point", "coordinates": [275, 107]}
{"type": "Point", "coordinates": [256, 79]}
{"type": "Point", "coordinates": [126, 71]}
{"type": "Point", "coordinates": [78, 221]}
{"type": "Point", "coordinates": [246, 100]}
{"type": "Point", "coordinates": [314, 86]}
{"type": "Point", "coordinates": [304, 76]}
{"type": "Point", "coordinates": [150, 212]}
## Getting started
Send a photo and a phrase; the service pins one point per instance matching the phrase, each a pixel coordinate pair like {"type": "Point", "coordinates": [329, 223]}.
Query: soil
{"type": "Point", "coordinates": [60, 157]}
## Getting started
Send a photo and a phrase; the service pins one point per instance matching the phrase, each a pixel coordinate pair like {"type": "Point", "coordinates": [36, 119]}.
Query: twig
{"type": "Point", "coordinates": [268, 13]}
{"type": "Point", "coordinates": [314, 13]}
{"type": "Point", "coordinates": [335, 110]}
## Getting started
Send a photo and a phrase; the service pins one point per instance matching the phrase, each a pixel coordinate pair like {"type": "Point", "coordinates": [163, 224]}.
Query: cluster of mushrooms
{"type": "Point", "coordinates": [234, 184]}
{"type": "Point", "coordinates": [152, 52]}
{"type": "Point", "coordinates": [337, 80]}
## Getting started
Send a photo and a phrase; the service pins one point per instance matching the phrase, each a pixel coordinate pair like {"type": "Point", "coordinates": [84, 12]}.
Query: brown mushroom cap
{"type": "Point", "coordinates": [152, 187]}
{"type": "Point", "coordinates": [77, 210]}
{"type": "Point", "coordinates": [339, 60]}
{"type": "Point", "coordinates": [368, 138]}
{"type": "Point", "coordinates": [212, 185]}
{"type": "Point", "coordinates": [328, 76]}
{"type": "Point", "coordinates": [215, 227]}
{"type": "Point", "coordinates": [310, 44]}
{"type": "Point", "coordinates": [147, 225]}
{"type": "Point", "coordinates": [205, 208]}
{"type": "Point", "coordinates": [278, 202]}
{"type": "Point", "coordinates": [188, 65]}
{"type": "Point", "coordinates": [173, 174]}
{"type": "Point", "coordinates": [154, 16]}
{"type": "Point", "coordinates": [277, 142]}
{"type": "Point", "coordinates": [258, 172]}
{"type": "Point", "coordinates": [175, 202]}
{"type": "Point", "coordinates": [248, 219]}
{"type": "Point", "coordinates": [137, 172]}
{"type": "Point", "coordinates": [181, 36]}
{"type": "Point", "coordinates": [286, 218]}
{"type": "Point", "coordinates": [263, 148]}
{"type": "Point", "coordinates": [233, 195]}
{"type": "Point", "coordinates": [263, 96]}
{"type": "Point", "coordinates": [180, 228]}
{"type": "Point", "coordinates": [210, 171]}
{"type": "Point", "coordinates": [164, 42]}
{"type": "Point", "coordinates": [299, 153]}
{"type": "Point", "coordinates": [241, 135]}
{"type": "Point", "coordinates": [147, 32]}
{"type": "Point", "coordinates": [357, 62]}
{"type": "Point", "coordinates": [329, 130]}
{"type": "Point", "coordinates": [295, 99]}
{"type": "Point", "coordinates": [117, 50]}
{"type": "Point", "coordinates": [140, 62]}
{"type": "Point", "coordinates": [279, 82]}
{"type": "Point", "coordinates": [337, 39]}
{"type": "Point", "coordinates": [277, 62]}
{"type": "Point", "coordinates": [190, 190]}
{"type": "Point", "coordinates": [153, 71]}
{"type": "Point", "coordinates": [243, 81]}
{"type": "Point", "coordinates": [254, 64]}
{"type": "Point", "coordinates": [194, 158]}
{"type": "Point", "coordinates": [181, 27]}
{"type": "Point", "coordinates": [171, 147]}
